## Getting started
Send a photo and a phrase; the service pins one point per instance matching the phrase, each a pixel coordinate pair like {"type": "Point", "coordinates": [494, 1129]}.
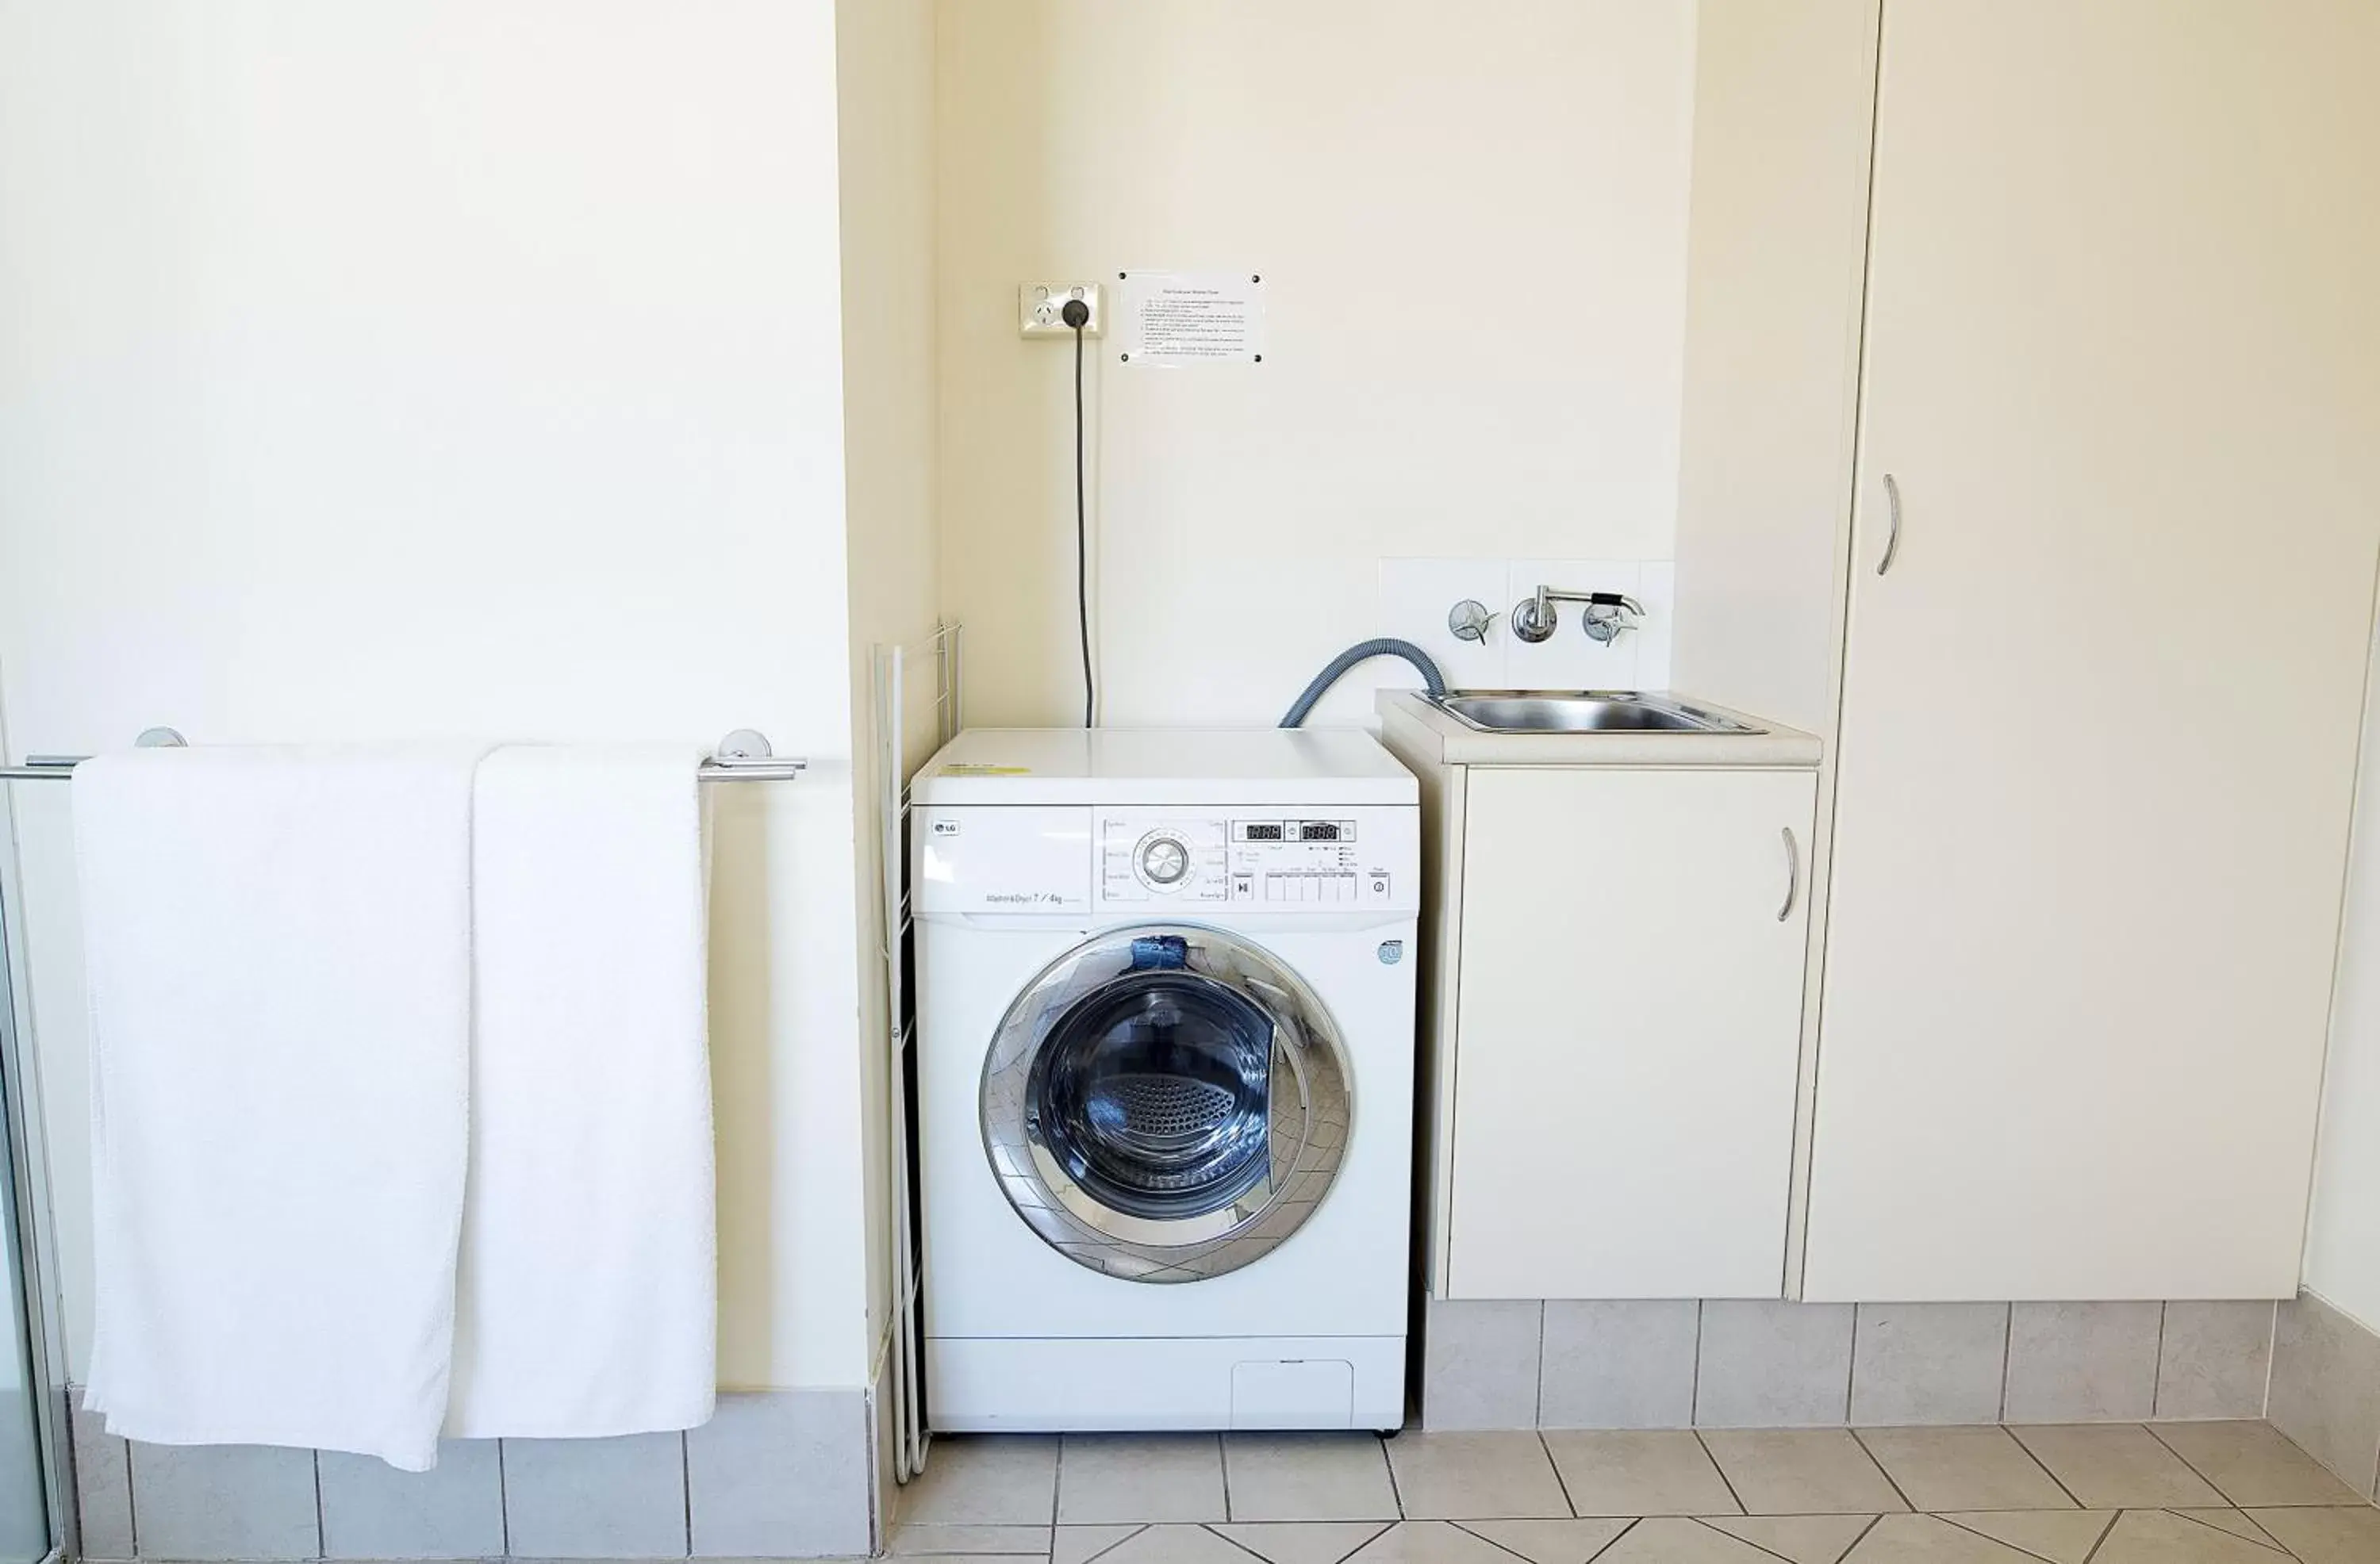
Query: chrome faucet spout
{"type": "Point", "coordinates": [1534, 618]}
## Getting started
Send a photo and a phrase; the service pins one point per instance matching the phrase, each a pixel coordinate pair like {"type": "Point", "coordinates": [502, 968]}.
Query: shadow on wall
{"type": "Point", "coordinates": [743, 1095]}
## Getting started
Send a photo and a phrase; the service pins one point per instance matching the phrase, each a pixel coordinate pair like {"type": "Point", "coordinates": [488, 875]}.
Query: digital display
{"type": "Point", "coordinates": [1318, 830]}
{"type": "Point", "coordinates": [1260, 833]}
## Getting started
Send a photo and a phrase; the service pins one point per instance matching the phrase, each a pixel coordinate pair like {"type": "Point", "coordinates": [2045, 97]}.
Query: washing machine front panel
{"type": "Point", "coordinates": [1166, 1103]}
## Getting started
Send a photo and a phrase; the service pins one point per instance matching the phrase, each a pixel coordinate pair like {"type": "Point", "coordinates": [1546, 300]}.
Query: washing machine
{"type": "Point", "coordinates": [1165, 1078]}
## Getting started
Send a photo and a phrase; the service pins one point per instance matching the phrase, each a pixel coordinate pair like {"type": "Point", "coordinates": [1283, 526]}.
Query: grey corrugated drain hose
{"type": "Point", "coordinates": [1385, 646]}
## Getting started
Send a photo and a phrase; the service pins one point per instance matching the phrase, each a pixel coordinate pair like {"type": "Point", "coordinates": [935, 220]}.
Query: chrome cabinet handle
{"type": "Point", "coordinates": [1892, 537]}
{"type": "Point", "coordinates": [1792, 876]}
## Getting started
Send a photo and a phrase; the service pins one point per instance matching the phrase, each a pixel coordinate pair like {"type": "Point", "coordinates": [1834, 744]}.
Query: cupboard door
{"type": "Point", "coordinates": [1627, 1019]}
{"type": "Point", "coordinates": [2100, 715]}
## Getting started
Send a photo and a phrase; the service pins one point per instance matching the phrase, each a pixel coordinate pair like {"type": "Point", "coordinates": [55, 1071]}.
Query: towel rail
{"type": "Point", "coordinates": [742, 755]}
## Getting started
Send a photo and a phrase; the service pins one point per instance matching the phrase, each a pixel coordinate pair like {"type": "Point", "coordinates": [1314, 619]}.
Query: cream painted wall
{"type": "Point", "coordinates": [404, 368]}
{"type": "Point", "coordinates": [1472, 228]}
{"type": "Point", "coordinates": [884, 53]}
{"type": "Point", "coordinates": [2342, 1259]}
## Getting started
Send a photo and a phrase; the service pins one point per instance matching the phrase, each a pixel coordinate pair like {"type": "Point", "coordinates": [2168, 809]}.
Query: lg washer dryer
{"type": "Point", "coordinates": [1165, 1073]}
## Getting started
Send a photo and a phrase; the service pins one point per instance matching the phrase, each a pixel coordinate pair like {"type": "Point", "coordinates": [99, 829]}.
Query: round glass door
{"type": "Point", "coordinates": [1165, 1103]}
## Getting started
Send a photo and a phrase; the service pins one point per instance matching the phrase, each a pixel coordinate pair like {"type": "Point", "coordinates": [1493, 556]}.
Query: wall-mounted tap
{"type": "Point", "coordinates": [1468, 620]}
{"type": "Point", "coordinates": [1535, 619]}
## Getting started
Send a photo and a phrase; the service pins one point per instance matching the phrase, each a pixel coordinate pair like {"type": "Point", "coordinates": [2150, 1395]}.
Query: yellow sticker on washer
{"type": "Point", "coordinates": [975, 769]}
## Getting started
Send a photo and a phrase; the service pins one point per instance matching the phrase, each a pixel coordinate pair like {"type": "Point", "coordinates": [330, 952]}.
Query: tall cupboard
{"type": "Point", "coordinates": [2115, 519]}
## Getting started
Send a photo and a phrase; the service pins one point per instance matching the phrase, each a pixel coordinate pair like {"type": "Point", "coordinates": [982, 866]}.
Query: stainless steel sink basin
{"type": "Point", "coordinates": [1582, 712]}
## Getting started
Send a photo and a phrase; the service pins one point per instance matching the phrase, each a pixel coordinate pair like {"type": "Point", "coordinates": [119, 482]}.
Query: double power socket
{"type": "Point", "coordinates": [1038, 308]}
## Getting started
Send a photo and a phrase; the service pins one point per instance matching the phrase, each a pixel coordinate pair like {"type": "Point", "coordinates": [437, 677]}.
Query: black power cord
{"type": "Point", "coordinates": [1077, 314]}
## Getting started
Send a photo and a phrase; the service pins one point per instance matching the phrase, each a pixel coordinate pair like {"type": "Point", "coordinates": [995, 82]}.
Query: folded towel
{"type": "Point", "coordinates": [588, 1293]}
{"type": "Point", "coordinates": [279, 981]}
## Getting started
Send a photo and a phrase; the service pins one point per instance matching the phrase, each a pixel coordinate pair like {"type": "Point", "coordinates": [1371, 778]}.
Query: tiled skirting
{"type": "Point", "coordinates": [2326, 1389]}
{"type": "Point", "coordinates": [779, 1476]}
{"type": "Point", "coordinates": [1750, 1364]}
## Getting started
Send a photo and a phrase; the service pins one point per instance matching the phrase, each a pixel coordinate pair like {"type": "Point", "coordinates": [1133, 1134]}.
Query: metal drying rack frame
{"type": "Point", "coordinates": [742, 755]}
{"type": "Point", "coordinates": [894, 763]}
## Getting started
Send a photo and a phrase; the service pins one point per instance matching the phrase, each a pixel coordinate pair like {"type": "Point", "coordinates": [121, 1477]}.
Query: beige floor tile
{"type": "Point", "coordinates": [985, 1479]}
{"type": "Point", "coordinates": [1801, 1472]}
{"type": "Point", "coordinates": [1672, 1540]}
{"type": "Point", "coordinates": [1493, 1477]}
{"type": "Point", "coordinates": [1305, 1542]}
{"type": "Point", "coordinates": [1962, 1468]}
{"type": "Point", "coordinates": [2152, 1536]}
{"type": "Point", "coordinates": [1655, 1473]}
{"type": "Point", "coordinates": [2253, 1463]}
{"type": "Point", "coordinates": [1105, 1478]}
{"type": "Point", "coordinates": [1428, 1542]}
{"type": "Point", "coordinates": [911, 1538]}
{"type": "Point", "coordinates": [2115, 1466]}
{"type": "Point", "coordinates": [1307, 1478]}
{"type": "Point", "coordinates": [2236, 1522]}
{"type": "Point", "coordinates": [2061, 1536]}
{"type": "Point", "coordinates": [1802, 1539]}
{"type": "Point", "coordinates": [1080, 1545]}
{"type": "Point", "coordinates": [1551, 1542]}
{"type": "Point", "coordinates": [1173, 1545]}
{"type": "Point", "coordinates": [2326, 1536]}
{"type": "Point", "coordinates": [1929, 1539]}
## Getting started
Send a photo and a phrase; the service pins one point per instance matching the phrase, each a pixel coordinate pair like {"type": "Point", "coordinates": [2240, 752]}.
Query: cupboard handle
{"type": "Point", "coordinates": [1891, 538]}
{"type": "Point", "coordinates": [1792, 876]}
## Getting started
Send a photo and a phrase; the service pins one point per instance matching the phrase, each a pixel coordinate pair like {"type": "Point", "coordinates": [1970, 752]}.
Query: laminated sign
{"type": "Point", "coordinates": [1175, 318]}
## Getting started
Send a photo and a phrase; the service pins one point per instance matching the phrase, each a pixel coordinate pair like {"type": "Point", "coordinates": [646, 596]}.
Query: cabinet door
{"type": "Point", "coordinates": [2100, 716]}
{"type": "Point", "coordinates": [1628, 1018]}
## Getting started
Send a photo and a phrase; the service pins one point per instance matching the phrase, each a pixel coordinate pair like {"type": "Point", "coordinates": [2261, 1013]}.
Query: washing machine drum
{"type": "Point", "coordinates": [1165, 1103]}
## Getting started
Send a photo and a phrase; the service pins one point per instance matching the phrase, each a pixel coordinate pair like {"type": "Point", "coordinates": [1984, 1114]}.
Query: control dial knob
{"type": "Point", "coordinates": [1164, 860]}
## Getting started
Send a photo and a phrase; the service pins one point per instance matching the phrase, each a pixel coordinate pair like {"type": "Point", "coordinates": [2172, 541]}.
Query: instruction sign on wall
{"type": "Point", "coordinates": [1177, 318]}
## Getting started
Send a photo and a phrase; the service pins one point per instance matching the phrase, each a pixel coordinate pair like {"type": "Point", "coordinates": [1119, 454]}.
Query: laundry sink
{"type": "Point", "coordinates": [1580, 711]}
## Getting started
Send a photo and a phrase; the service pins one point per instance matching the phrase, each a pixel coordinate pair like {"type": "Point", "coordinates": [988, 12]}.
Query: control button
{"type": "Point", "coordinates": [1379, 889]}
{"type": "Point", "coordinates": [1165, 861]}
{"type": "Point", "coordinates": [1244, 887]}
{"type": "Point", "coordinates": [1275, 888]}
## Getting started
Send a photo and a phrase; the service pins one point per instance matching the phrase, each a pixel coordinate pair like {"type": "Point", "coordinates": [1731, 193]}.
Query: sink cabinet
{"type": "Point", "coordinates": [1627, 1017]}
{"type": "Point", "coordinates": [1612, 1002]}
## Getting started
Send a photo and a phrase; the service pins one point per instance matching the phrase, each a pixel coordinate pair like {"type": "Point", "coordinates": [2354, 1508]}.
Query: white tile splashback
{"type": "Point", "coordinates": [1414, 594]}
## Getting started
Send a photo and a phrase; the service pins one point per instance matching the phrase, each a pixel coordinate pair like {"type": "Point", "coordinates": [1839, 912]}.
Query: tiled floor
{"type": "Point", "coordinates": [2172, 1493]}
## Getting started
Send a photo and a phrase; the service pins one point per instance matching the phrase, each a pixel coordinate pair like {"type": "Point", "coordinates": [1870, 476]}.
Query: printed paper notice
{"type": "Point", "coordinates": [1175, 318]}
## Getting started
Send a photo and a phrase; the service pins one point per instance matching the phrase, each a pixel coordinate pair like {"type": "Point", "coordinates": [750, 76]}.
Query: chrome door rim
{"type": "Point", "coordinates": [1305, 1145]}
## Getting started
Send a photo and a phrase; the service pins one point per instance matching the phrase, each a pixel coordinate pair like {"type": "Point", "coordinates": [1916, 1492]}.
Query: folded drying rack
{"type": "Point", "coordinates": [742, 755]}
{"type": "Point", "coordinates": [904, 729]}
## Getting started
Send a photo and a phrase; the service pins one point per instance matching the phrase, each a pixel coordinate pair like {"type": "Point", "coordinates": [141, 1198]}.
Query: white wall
{"type": "Point", "coordinates": [1472, 226]}
{"type": "Point", "coordinates": [404, 368]}
{"type": "Point", "coordinates": [2342, 1259]}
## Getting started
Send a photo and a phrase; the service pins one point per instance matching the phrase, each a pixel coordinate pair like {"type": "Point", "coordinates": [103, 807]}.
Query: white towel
{"type": "Point", "coordinates": [588, 1301]}
{"type": "Point", "coordinates": [279, 979]}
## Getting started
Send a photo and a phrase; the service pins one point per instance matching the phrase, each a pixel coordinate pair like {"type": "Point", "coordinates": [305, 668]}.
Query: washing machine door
{"type": "Point", "coordinates": [1165, 1103]}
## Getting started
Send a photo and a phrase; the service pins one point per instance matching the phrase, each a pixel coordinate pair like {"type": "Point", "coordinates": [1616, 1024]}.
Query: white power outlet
{"type": "Point", "coordinates": [1039, 306]}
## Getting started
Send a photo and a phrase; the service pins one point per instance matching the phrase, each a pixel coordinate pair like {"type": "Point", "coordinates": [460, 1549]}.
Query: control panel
{"type": "Point", "coordinates": [1170, 860]}
{"type": "Point", "coordinates": [1173, 858]}
{"type": "Point", "coordinates": [1270, 863]}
